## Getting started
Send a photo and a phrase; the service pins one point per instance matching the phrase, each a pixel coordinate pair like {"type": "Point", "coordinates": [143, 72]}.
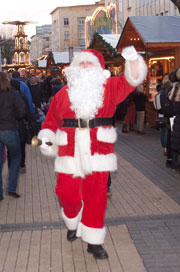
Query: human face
{"type": "Point", "coordinates": [86, 64]}
{"type": "Point", "coordinates": [33, 80]}
{"type": "Point", "coordinates": [165, 79]}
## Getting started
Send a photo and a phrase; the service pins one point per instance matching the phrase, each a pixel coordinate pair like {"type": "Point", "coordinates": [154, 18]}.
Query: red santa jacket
{"type": "Point", "coordinates": [80, 152]}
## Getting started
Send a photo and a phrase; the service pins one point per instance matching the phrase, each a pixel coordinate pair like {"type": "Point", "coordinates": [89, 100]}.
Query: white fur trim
{"type": "Point", "coordinates": [106, 73]}
{"type": "Point", "coordinates": [85, 56]}
{"type": "Point", "coordinates": [98, 163]}
{"type": "Point", "coordinates": [61, 137]}
{"type": "Point", "coordinates": [65, 165]}
{"type": "Point", "coordinates": [142, 68]}
{"type": "Point", "coordinates": [82, 152]}
{"type": "Point", "coordinates": [72, 223]}
{"type": "Point", "coordinates": [107, 135]}
{"type": "Point", "coordinates": [47, 133]}
{"type": "Point", "coordinates": [94, 236]}
{"type": "Point", "coordinates": [50, 151]}
{"type": "Point", "coordinates": [102, 163]}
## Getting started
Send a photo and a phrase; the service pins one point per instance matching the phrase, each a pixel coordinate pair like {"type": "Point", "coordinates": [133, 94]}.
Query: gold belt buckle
{"type": "Point", "coordinates": [79, 124]}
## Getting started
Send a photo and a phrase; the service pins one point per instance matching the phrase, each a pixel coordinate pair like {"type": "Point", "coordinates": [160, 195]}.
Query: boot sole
{"type": "Point", "coordinates": [97, 257]}
{"type": "Point", "coordinates": [71, 240]}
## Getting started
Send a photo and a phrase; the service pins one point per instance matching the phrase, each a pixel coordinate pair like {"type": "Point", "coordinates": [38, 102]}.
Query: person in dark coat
{"type": "Point", "coordinates": [47, 88]}
{"type": "Point", "coordinates": [56, 86]}
{"type": "Point", "coordinates": [23, 125]}
{"type": "Point", "coordinates": [140, 103]}
{"type": "Point", "coordinates": [165, 134]}
{"type": "Point", "coordinates": [36, 91]}
{"type": "Point", "coordinates": [174, 96]}
{"type": "Point", "coordinates": [12, 107]}
{"type": "Point", "coordinates": [24, 88]}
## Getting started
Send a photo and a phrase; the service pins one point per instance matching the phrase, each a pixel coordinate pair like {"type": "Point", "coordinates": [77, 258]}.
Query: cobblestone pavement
{"type": "Point", "coordinates": [157, 238]}
{"type": "Point", "coordinates": [142, 218]}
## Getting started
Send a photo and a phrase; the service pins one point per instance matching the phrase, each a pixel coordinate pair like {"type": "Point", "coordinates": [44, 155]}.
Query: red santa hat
{"type": "Point", "coordinates": [93, 56]}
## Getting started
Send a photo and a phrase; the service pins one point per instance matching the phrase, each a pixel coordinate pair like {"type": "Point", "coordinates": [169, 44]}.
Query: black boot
{"type": "Point", "coordinates": [98, 251]}
{"type": "Point", "coordinates": [71, 235]}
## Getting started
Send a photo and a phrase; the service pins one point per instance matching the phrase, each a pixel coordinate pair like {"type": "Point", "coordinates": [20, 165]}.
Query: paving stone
{"type": "Point", "coordinates": [142, 219]}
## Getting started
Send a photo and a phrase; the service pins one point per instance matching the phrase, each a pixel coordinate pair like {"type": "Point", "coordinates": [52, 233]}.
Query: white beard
{"type": "Point", "coordinates": [86, 90]}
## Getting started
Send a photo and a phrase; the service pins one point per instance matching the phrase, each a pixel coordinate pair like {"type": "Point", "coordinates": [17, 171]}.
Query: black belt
{"type": "Point", "coordinates": [81, 123]}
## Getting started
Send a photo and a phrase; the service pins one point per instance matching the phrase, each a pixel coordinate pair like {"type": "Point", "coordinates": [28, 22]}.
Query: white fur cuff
{"type": "Point", "coordinates": [72, 223]}
{"type": "Point", "coordinates": [142, 70]}
{"type": "Point", "coordinates": [92, 236]}
{"type": "Point", "coordinates": [47, 133]}
{"type": "Point", "coordinates": [50, 151]}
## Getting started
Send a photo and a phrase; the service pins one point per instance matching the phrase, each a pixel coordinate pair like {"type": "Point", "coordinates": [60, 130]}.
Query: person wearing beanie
{"type": "Point", "coordinates": [80, 127]}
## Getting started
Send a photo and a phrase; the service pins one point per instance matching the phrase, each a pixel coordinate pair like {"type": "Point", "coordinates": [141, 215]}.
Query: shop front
{"type": "Point", "coordinates": [157, 38]}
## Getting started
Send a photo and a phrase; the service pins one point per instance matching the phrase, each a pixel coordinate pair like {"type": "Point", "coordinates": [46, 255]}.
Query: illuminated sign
{"type": "Point", "coordinates": [103, 21]}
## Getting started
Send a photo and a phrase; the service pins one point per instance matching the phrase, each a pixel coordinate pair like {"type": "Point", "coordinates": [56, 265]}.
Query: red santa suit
{"type": "Point", "coordinates": [84, 157]}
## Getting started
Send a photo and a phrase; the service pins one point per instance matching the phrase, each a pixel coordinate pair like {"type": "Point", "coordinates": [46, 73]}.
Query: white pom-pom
{"type": "Point", "coordinates": [106, 73]}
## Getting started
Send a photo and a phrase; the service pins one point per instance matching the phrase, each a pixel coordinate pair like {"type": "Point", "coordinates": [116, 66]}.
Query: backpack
{"type": "Point", "coordinates": [163, 105]}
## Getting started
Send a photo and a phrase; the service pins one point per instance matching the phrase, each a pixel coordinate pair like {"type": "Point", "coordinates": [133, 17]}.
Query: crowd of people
{"type": "Point", "coordinates": [24, 103]}
{"type": "Point", "coordinates": [75, 125]}
{"type": "Point", "coordinates": [169, 117]}
{"type": "Point", "coordinates": [132, 111]}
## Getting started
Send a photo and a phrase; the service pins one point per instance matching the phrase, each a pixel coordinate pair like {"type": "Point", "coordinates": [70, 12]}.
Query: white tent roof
{"type": "Point", "coordinates": [112, 39]}
{"type": "Point", "coordinates": [62, 57]}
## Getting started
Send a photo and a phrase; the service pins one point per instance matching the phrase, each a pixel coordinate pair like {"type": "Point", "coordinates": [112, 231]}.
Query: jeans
{"type": "Point", "coordinates": [164, 132]}
{"type": "Point", "coordinates": [10, 139]}
{"type": "Point", "coordinates": [23, 155]}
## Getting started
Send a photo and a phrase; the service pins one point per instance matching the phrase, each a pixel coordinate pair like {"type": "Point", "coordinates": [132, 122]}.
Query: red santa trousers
{"type": "Point", "coordinates": [83, 202]}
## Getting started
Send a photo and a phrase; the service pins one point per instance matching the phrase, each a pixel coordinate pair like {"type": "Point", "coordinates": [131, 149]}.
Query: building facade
{"type": "Point", "coordinates": [128, 8]}
{"type": "Point", "coordinates": [41, 42]}
{"type": "Point", "coordinates": [155, 8]}
{"type": "Point", "coordinates": [68, 26]}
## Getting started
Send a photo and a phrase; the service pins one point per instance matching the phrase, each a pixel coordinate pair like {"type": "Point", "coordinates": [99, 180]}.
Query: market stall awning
{"type": "Point", "coordinates": [151, 32]}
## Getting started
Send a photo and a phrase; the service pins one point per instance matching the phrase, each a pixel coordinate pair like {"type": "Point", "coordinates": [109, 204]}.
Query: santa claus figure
{"type": "Point", "coordinates": [79, 126]}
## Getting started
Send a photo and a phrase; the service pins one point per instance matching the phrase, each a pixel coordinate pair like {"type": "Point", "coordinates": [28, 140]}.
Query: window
{"type": "Point", "coordinates": [81, 21]}
{"type": "Point", "coordinates": [66, 21]}
{"type": "Point", "coordinates": [66, 35]}
{"type": "Point", "coordinates": [129, 4]}
{"type": "Point", "coordinates": [82, 43]}
{"type": "Point", "coordinates": [81, 35]}
{"type": "Point", "coordinates": [81, 32]}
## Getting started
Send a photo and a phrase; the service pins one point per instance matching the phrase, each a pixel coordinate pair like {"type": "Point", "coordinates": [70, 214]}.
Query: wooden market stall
{"type": "Point", "coordinates": [54, 62]}
{"type": "Point", "coordinates": [106, 45]}
{"type": "Point", "coordinates": [158, 40]}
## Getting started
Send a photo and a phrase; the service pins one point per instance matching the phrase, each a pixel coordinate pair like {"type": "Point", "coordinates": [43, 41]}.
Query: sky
{"type": "Point", "coordinates": [37, 11]}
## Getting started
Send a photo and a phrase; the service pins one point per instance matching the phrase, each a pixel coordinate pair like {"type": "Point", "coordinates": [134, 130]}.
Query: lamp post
{"type": "Point", "coordinates": [70, 54]}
